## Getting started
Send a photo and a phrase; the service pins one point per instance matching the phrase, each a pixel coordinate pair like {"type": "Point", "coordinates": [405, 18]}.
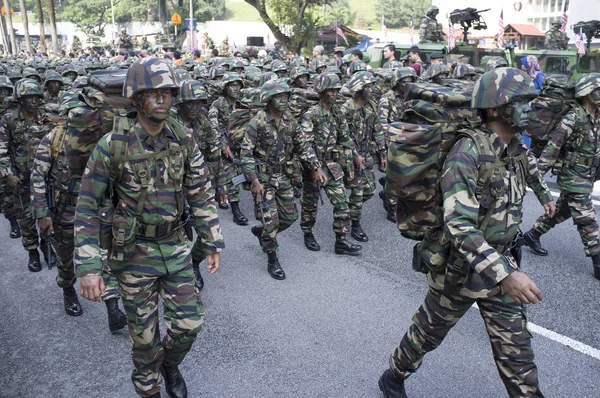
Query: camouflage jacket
{"type": "Point", "coordinates": [218, 116]}
{"type": "Point", "coordinates": [465, 207]}
{"type": "Point", "coordinates": [391, 106]}
{"type": "Point", "coordinates": [49, 168]}
{"type": "Point", "coordinates": [430, 31]}
{"type": "Point", "coordinates": [21, 137]}
{"type": "Point", "coordinates": [301, 100]}
{"type": "Point", "coordinates": [160, 204]}
{"type": "Point", "coordinates": [365, 130]}
{"type": "Point", "coordinates": [556, 40]}
{"type": "Point", "coordinates": [330, 135]}
{"type": "Point", "coordinates": [574, 147]}
{"type": "Point", "coordinates": [270, 145]}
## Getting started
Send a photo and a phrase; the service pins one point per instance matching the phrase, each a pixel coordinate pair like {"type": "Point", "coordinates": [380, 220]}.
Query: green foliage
{"type": "Point", "coordinates": [397, 12]}
{"type": "Point", "coordinates": [340, 11]}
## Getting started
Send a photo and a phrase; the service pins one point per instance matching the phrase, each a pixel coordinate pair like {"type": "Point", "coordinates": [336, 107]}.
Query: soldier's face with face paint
{"type": "Point", "coordinates": [233, 90]}
{"type": "Point", "coordinates": [30, 103]}
{"type": "Point", "coordinates": [279, 102]}
{"type": "Point", "coordinates": [191, 109]}
{"type": "Point", "coordinates": [329, 96]}
{"type": "Point", "coordinates": [517, 114]}
{"type": "Point", "coordinates": [302, 81]}
{"type": "Point", "coordinates": [54, 87]}
{"type": "Point", "coordinates": [155, 104]}
{"type": "Point", "coordinates": [4, 92]}
{"type": "Point", "coordinates": [595, 97]}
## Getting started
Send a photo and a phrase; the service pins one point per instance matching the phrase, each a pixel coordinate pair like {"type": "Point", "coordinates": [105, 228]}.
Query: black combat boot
{"type": "Point", "coordinates": [72, 306]}
{"type": "Point", "coordinates": [342, 246]}
{"type": "Point", "coordinates": [382, 181]}
{"type": "Point", "coordinates": [274, 267]}
{"type": "Point", "coordinates": [117, 320]}
{"type": "Point", "coordinates": [50, 261]}
{"type": "Point", "coordinates": [391, 215]}
{"type": "Point", "coordinates": [238, 217]}
{"type": "Point", "coordinates": [174, 383]}
{"type": "Point", "coordinates": [532, 239]}
{"type": "Point", "coordinates": [357, 232]}
{"type": "Point", "coordinates": [34, 264]}
{"type": "Point", "coordinates": [155, 395]}
{"type": "Point", "coordinates": [596, 262]}
{"type": "Point", "coordinates": [391, 386]}
{"type": "Point", "coordinates": [15, 230]}
{"type": "Point", "coordinates": [310, 242]}
{"type": "Point", "coordinates": [257, 231]}
{"type": "Point", "coordinates": [384, 199]}
{"type": "Point", "coordinates": [199, 281]}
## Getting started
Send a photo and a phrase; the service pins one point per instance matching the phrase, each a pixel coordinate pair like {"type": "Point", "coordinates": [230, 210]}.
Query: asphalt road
{"type": "Point", "coordinates": [326, 331]}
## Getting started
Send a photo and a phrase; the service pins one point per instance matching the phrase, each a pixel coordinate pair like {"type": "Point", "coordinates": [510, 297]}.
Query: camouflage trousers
{"type": "Point", "coordinates": [362, 188]}
{"type": "Point", "coordinates": [7, 201]}
{"type": "Point", "coordinates": [279, 209]}
{"type": "Point", "coordinates": [505, 322]}
{"type": "Point", "coordinates": [29, 234]}
{"type": "Point", "coordinates": [158, 268]}
{"type": "Point", "coordinates": [230, 170]}
{"type": "Point", "coordinates": [580, 207]}
{"type": "Point", "coordinates": [310, 200]}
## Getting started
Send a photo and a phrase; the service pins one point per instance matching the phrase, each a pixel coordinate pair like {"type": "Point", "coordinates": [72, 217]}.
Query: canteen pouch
{"type": "Point", "coordinates": [123, 241]}
{"type": "Point", "coordinates": [106, 218]}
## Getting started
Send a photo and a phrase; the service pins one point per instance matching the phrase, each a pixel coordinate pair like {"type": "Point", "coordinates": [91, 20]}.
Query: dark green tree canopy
{"type": "Point", "coordinates": [397, 12]}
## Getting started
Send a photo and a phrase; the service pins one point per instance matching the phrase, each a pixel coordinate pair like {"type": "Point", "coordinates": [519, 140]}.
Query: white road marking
{"type": "Point", "coordinates": [557, 194]}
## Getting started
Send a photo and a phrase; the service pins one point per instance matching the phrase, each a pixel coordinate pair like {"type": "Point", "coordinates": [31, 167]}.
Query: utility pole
{"type": "Point", "coordinates": [25, 26]}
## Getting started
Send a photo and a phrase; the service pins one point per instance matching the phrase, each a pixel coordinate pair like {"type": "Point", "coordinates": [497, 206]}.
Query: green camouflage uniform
{"type": "Point", "coordinates": [269, 151]}
{"type": "Point", "coordinates": [150, 267]}
{"type": "Point", "coordinates": [430, 31]}
{"type": "Point", "coordinates": [556, 40]}
{"type": "Point", "coordinates": [573, 154]}
{"type": "Point", "coordinates": [369, 142]}
{"type": "Point", "coordinates": [333, 148]}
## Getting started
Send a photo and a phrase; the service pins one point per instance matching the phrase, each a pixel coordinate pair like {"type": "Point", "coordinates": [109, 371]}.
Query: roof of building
{"type": "Point", "coordinates": [525, 30]}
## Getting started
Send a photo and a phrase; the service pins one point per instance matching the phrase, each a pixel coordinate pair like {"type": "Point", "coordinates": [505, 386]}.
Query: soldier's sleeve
{"type": "Point", "coordinates": [200, 197]}
{"type": "Point", "coordinates": [461, 214]}
{"type": "Point", "coordinates": [423, 25]}
{"type": "Point", "coordinates": [348, 149]}
{"type": "Point", "coordinates": [248, 145]}
{"type": "Point", "coordinates": [5, 166]}
{"type": "Point", "coordinates": [557, 140]}
{"type": "Point", "coordinates": [305, 144]}
{"type": "Point", "coordinates": [378, 135]}
{"type": "Point", "coordinates": [214, 145]}
{"type": "Point", "coordinates": [94, 184]}
{"type": "Point", "coordinates": [39, 174]}
{"type": "Point", "coordinates": [383, 110]}
{"type": "Point", "coordinates": [213, 117]}
{"type": "Point", "coordinates": [536, 182]}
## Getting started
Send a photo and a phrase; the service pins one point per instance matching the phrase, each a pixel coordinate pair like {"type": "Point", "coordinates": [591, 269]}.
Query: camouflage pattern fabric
{"type": "Point", "coordinates": [556, 40]}
{"type": "Point", "coordinates": [269, 151]}
{"type": "Point", "coordinates": [430, 31]}
{"type": "Point", "coordinates": [301, 100]}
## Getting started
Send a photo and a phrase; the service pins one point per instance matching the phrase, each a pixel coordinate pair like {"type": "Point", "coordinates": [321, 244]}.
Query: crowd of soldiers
{"type": "Point", "coordinates": [194, 136]}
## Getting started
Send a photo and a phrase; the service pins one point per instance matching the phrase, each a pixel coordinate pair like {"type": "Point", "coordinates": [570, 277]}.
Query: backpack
{"type": "Point", "coordinates": [555, 100]}
{"type": "Point", "coordinates": [109, 82]}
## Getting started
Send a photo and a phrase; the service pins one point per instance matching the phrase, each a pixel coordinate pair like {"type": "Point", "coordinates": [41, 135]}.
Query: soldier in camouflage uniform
{"type": "Point", "coordinates": [369, 147]}
{"type": "Point", "coordinates": [430, 31]}
{"type": "Point", "coordinates": [555, 39]}
{"type": "Point", "coordinates": [218, 113]}
{"type": "Point", "coordinates": [482, 263]}
{"type": "Point", "coordinates": [325, 122]}
{"type": "Point", "coordinates": [52, 86]}
{"type": "Point", "coordinates": [278, 67]}
{"type": "Point", "coordinates": [389, 111]}
{"type": "Point", "coordinates": [20, 133]}
{"type": "Point", "coordinates": [192, 97]}
{"type": "Point", "coordinates": [7, 198]}
{"type": "Point", "coordinates": [272, 143]}
{"type": "Point", "coordinates": [151, 167]}
{"type": "Point", "coordinates": [495, 62]}
{"type": "Point", "coordinates": [573, 154]}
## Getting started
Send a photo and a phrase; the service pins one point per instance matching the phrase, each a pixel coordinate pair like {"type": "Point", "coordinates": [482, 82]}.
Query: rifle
{"type": "Point", "coordinates": [319, 187]}
{"type": "Point", "coordinates": [19, 190]}
{"type": "Point", "coordinates": [261, 209]}
{"type": "Point", "coordinates": [362, 165]}
{"type": "Point", "coordinates": [237, 180]}
{"type": "Point", "coordinates": [51, 198]}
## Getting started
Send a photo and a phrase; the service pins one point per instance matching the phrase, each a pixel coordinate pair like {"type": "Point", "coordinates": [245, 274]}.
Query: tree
{"type": "Point", "coordinates": [397, 12]}
{"type": "Point", "coordinates": [9, 26]}
{"type": "Point", "coordinates": [53, 32]}
{"type": "Point", "coordinates": [339, 11]}
{"type": "Point", "coordinates": [38, 6]}
{"type": "Point", "coordinates": [25, 25]}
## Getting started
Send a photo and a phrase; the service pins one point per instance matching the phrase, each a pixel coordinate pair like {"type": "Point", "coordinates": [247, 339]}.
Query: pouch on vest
{"type": "Point", "coordinates": [123, 237]}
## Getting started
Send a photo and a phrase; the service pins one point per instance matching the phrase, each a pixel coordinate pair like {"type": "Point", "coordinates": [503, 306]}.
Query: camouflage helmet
{"type": "Point", "coordinates": [502, 86]}
{"type": "Point", "coordinates": [231, 77]}
{"type": "Point", "coordinates": [200, 71]}
{"type": "Point", "coordinates": [359, 80]}
{"type": "Point", "coordinates": [52, 76]}
{"type": "Point", "coordinates": [216, 71]}
{"type": "Point", "coordinates": [432, 10]}
{"type": "Point", "coordinates": [586, 83]}
{"type": "Point", "coordinates": [149, 74]}
{"type": "Point", "coordinates": [298, 71]}
{"type": "Point", "coordinates": [266, 77]}
{"type": "Point", "coordinates": [238, 64]}
{"type": "Point", "coordinates": [334, 69]}
{"type": "Point", "coordinates": [192, 90]}
{"type": "Point", "coordinates": [188, 64]}
{"type": "Point", "coordinates": [68, 100]}
{"type": "Point", "coordinates": [5, 82]}
{"type": "Point", "coordinates": [357, 66]}
{"type": "Point", "coordinates": [346, 59]}
{"type": "Point", "coordinates": [402, 73]}
{"type": "Point", "coordinates": [252, 98]}
{"type": "Point", "coordinates": [463, 70]}
{"type": "Point", "coordinates": [320, 64]}
{"type": "Point", "coordinates": [327, 81]}
{"type": "Point", "coordinates": [182, 74]}
{"type": "Point", "coordinates": [278, 66]}
{"type": "Point", "coordinates": [557, 22]}
{"type": "Point", "coordinates": [69, 68]}
{"type": "Point", "coordinates": [28, 72]}
{"type": "Point", "coordinates": [14, 73]}
{"type": "Point", "coordinates": [25, 87]}
{"type": "Point", "coordinates": [80, 82]}
{"type": "Point", "coordinates": [272, 88]}
{"type": "Point", "coordinates": [495, 62]}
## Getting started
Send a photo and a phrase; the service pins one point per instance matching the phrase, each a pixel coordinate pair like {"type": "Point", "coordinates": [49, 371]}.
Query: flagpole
{"type": "Point", "coordinates": [336, 32]}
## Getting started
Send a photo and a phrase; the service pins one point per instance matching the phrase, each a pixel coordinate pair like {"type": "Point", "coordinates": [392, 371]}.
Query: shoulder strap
{"type": "Point", "coordinates": [118, 148]}
{"type": "Point", "coordinates": [58, 141]}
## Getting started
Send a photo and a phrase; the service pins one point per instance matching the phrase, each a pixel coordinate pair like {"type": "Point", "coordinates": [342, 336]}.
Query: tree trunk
{"type": "Point", "coordinates": [52, 17]}
{"type": "Point", "coordinates": [162, 11]}
{"type": "Point", "coordinates": [3, 35]}
{"type": "Point", "coordinates": [25, 26]}
{"type": "Point", "coordinates": [11, 31]}
{"type": "Point", "coordinates": [262, 11]}
{"type": "Point", "coordinates": [38, 6]}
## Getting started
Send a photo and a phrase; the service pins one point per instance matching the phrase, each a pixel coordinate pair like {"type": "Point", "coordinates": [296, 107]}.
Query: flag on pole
{"type": "Point", "coordinates": [451, 38]}
{"type": "Point", "coordinates": [563, 17]}
{"type": "Point", "coordinates": [501, 30]}
{"type": "Point", "coordinates": [340, 32]}
{"type": "Point", "coordinates": [383, 27]}
{"type": "Point", "coordinates": [579, 43]}
{"type": "Point", "coordinates": [412, 30]}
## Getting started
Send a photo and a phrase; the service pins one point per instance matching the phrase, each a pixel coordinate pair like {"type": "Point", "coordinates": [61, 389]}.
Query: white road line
{"type": "Point", "coordinates": [559, 338]}
{"type": "Point", "coordinates": [557, 194]}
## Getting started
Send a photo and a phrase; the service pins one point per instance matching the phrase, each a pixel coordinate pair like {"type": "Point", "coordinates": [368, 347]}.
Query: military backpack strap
{"type": "Point", "coordinates": [119, 146]}
{"type": "Point", "coordinates": [58, 140]}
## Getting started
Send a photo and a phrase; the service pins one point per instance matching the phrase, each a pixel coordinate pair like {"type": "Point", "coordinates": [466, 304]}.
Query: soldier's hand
{"type": "Point", "coordinates": [322, 176]}
{"type": "Point", "coordinates": [383, 165]}
{"type": "Point", "coordinates": [45, 224]}
{"type": "Point", "coordinates": [13, 181]}
{"type": "Point", "coordinates": [222, 196]}
{"type": "Point", "coordinates": [91, 287]}
{"type": "Point", "coordinates": [521, 288]}
{"type": "Point", "coordinates": [227, 153]}
{"type": "Point", "coordinates": [213, 262]}
{"type": "Point", "coordinates": [351, 175]}
{"type": "Point", "coordinates": [257, 190]}
{"type": "Point", "coordinates": [358, 162]}
{"type": "Point", "coordinates": [550, 208]}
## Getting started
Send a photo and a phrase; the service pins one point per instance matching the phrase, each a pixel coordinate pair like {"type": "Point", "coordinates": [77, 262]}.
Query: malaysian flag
{"type": "Point", "coordinates": [340, 32]}
{"type": "Point", "coordinates": [501, 30]}
{"type": "Point", "coordinates": [412, 30]}
{"type": "Point", "coordinates": [451, 38]}
{"type": "Point", "coordinates": [383, 27]}
{"type": "Point", "coordinates": [563, 17]}
{"type": "Point", "coordinates": [579, 43]}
